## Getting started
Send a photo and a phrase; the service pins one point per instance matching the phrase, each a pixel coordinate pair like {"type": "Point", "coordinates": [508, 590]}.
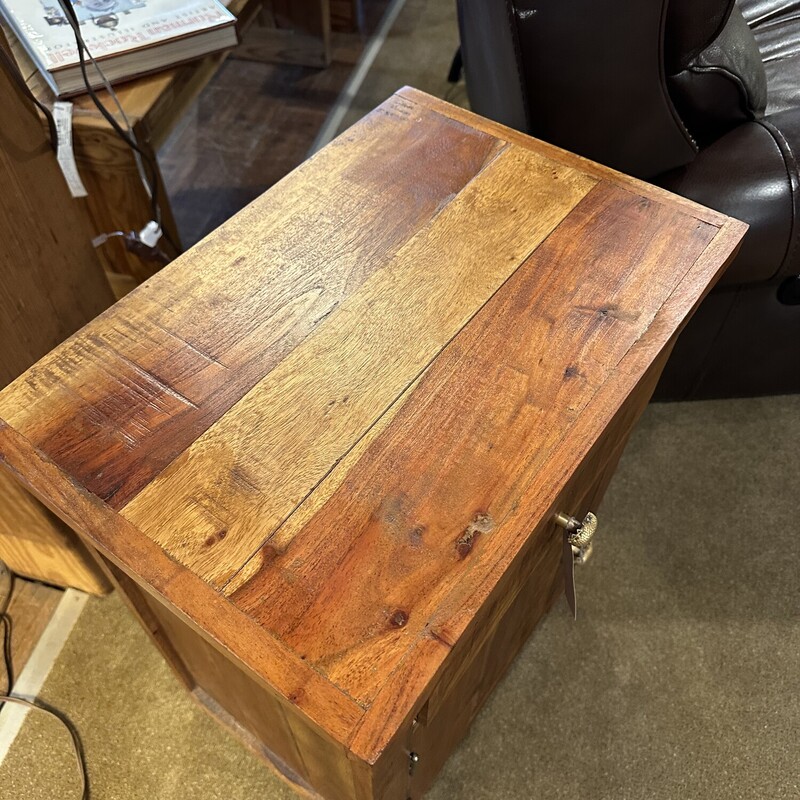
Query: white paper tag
{"type": "Point", "coordinates": [62, 114]}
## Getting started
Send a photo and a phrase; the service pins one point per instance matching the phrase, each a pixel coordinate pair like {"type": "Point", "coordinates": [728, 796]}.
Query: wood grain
{"type": "Point", "coordinates": [321, 761]}
{"type": "Point", "coordinates": [502, 623]}
{"type": "Point", "coordinates": [431, 494]}
{"type": "Point", "coordinates": [158, 371]}
{"type": "Point", "coordinates": [274, 668]}
{"type": "Point", "coordinates": [414, 97]}
{"type": "Point", "coordinates": [326, 446]}
{"type": "Point", "coordinates": [51, 283]}
{"type": "Point", "coordinates": [218, 502]}
{"type": "Point", "coordinates": [392, 711]}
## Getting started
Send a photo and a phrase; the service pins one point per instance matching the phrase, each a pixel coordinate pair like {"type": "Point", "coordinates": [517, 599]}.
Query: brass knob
{"type": "Point", "coordinates": [580, 534]}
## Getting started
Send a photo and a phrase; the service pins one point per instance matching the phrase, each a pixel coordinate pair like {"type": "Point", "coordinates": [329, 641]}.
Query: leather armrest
{"type": "Point", "coordinates": [586, 75]}
{"type": "Point", "coordinates": [751, 173]}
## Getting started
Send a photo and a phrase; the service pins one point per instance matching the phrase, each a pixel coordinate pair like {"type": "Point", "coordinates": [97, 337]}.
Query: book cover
{"type": "Point", "coordinates": [109, 27]}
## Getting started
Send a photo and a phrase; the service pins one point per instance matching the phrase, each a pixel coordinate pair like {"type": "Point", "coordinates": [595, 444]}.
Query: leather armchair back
{"type": "Point", "coordinates": [635, 84]}
{"type": "Point", "coordinates": [715, 73]}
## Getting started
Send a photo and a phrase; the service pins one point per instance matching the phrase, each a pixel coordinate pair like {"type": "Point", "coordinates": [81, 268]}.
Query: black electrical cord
{"type": "Point", "coordinates": [36, 704]}
{"type": "Point", "coordinates": [153, 178]}
{"type": "Point", "coordinates": [5, 620]}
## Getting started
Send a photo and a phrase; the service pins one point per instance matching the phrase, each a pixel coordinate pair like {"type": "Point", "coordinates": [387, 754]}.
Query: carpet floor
{"type": "Point", "coordinates": [680, 678]}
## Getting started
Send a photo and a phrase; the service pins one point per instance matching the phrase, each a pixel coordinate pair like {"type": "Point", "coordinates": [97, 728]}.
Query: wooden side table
{"type": "Point", "coordinates": [116, 198]}
{"type": "Point", "coordinates": [330, 451]}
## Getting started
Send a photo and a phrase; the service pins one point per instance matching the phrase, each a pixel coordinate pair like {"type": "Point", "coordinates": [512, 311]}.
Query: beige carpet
{"type": "Point", "coordinates": [679, 680]}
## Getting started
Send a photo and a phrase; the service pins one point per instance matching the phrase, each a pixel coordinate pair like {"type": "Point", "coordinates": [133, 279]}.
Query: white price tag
{"type": "Point", "coordinates": [62, 114]}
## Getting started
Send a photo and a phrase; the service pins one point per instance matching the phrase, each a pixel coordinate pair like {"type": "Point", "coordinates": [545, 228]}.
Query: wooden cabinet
{"type": "Point", "coordinates": [51, 283]}
{"type": "Point", "coordinates": [323, 451]}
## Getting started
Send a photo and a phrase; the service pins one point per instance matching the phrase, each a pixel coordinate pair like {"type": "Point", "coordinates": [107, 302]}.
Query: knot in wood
{"type": "Point", "coordinates": [482, 523]}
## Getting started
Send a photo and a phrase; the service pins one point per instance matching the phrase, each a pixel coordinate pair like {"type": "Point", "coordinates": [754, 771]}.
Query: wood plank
{"type": "Point", "coordinates": [136, 601]}
{"type": "Point", "coordinates": [429, 497]}
{"type": "Point", "coordinates": [391, 710]}
{"type": "Point", "coordinates": [274, 668]}
{"type": "Point", "coordinates": [218, 502]}
{"type": "Point", "coordinates": [271, 759]}
{"type": "Point", "coordinates": [270, 274]}
{"type": "Point", "coordinates": [323, 492]}
{"type": "Point", "coordinates": [417, 98]}
{"type": "Point", "coordinates": [30, 609]}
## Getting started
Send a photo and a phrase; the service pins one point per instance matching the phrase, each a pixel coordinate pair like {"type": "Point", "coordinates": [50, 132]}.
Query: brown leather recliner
{"type": "Point", "coordinates": [699, 96]}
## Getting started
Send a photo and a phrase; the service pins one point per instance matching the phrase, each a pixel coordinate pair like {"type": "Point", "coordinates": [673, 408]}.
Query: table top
{"type": "Point", "coordinates": [322, 433]}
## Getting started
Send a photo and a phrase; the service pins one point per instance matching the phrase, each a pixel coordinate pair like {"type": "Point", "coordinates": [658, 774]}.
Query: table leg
{"type": "Point", "coordinates": [346, 15]}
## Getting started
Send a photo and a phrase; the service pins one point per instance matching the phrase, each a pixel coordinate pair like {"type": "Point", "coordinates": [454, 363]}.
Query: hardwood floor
{"type": "Point", "coordinates": [30, 609]}
{"type": "Point", "coordinates": [250, 126]}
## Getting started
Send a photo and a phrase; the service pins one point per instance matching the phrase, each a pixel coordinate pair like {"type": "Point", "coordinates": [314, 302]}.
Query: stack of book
{"type": "Point", "coordinates": [128, 38]}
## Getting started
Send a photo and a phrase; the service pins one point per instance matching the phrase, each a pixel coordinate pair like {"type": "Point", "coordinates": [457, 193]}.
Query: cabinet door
{"type": "Point", "coordinates": [523, 596]}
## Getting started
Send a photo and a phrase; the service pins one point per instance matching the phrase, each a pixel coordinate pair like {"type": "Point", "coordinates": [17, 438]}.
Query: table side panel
{"type": "Point", "coordinates": [221, 499]}
{"type": "Point", "coordinates": [429, 497]}
{"type": "Point", "coordinates": [36, 544]}
{"type": "Point", "coordinates": [116, 403]}
{"type": "Point", "coordinates": [320, 762]}
{"type": "Point", "coordinates": [523, 595]}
